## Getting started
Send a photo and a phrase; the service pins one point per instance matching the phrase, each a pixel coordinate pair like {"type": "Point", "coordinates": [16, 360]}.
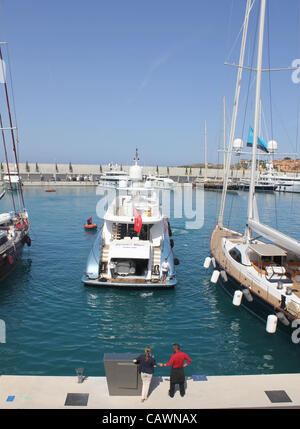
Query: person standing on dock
{"type": "Point", "coordinates": [146, 364]}
{"type": "Point", "coordinates": [177, 372]}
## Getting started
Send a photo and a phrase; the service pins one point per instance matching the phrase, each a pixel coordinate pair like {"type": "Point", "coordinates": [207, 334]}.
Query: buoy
{"type": "Point", "coordinates": [237, 298]}
{"type": "Point", "coordinates": [207, 262]}
{"type": "Point", "coordinates": [213, 262]}
{"type": "Point", "coordinates": [281, 317]}
{"type": "Point", "coordinates": [50, 190]}
{"type": "Point", "coordinates": [90, 226]}
{"type": "Point", "coordinates": [224, 276]}
{"type": "Point", "coordinates": [271, 325]}
{"type": "Point", "coordinates": [10, 259]}
{"type": "Point", "coordinates": [248, 295]}
{"type": "Point", "coordinates": [215, 276]}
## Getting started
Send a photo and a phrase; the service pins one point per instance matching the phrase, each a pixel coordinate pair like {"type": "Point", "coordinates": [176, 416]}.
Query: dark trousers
{"type": "Point", "coordinates": [172, 389]}
{"type": "Point", "coordinates": [177, 377]}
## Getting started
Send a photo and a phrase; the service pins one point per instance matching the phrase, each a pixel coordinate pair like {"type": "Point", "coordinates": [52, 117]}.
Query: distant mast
{"type": "Point", "coordinates": [136, 158]}
{"type": "Point", "coordinates": [205, 151]}
{"type": "Point", "coordinates": [136, 171]}
{"type": "Point", "coordinates": [224, 139]}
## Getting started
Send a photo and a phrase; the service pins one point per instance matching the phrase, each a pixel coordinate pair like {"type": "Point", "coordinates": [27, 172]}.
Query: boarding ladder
{"type": "Point", "coordinates": [116, 231]}
{"type": "Point", "coordinates": [156, 256]}
{"type": "Point", "coordinates": [104, 259]}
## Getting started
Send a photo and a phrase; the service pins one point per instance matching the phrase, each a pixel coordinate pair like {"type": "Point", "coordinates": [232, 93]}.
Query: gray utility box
{"type": "Point", "coordinates": [123, 378]}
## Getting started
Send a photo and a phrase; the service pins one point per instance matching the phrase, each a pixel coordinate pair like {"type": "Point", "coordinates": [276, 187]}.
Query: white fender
{"type": "Point", "coordinates": [215, 276]}
{"type": "Point", "coordinates": [207, 262]}
{"type": "Point", "coordinates": [224, 276]}
{"type": "Point", "coordinates": [271, 325]}
{"type": "Point", "coordinates": [213, 262]}
{"type": "Point", "coordinates": [248, 295]}
{"type": "Point", "coordinates": [282, 318]}
{"type": "Point", "coordinates": [237, 298]}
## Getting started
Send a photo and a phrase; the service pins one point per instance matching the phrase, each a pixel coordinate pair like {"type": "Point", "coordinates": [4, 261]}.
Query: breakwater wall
{"type": "Point", "coordinates": [30, 171]}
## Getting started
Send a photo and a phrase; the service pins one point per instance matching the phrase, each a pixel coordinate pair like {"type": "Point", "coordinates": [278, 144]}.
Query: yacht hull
{"type": "Point", "coordinates": [129, 285]}
{"type": "Point", "coordinates": [258, 307]}
{"type": "Point", "coordinates": [8, 265]}
{"type": "Point", "coordinates": [259, 188]}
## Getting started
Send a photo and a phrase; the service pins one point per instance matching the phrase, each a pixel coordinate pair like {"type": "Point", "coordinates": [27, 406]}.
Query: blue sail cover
{"type": "Point", "coordinates": [261, 144]}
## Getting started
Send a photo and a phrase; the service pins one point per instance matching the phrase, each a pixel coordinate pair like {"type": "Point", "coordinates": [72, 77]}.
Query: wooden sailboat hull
{"type": "Point", "coordinates": [260, 305]}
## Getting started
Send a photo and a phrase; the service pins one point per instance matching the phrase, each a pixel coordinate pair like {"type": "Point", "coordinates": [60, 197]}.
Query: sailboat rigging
{"type": "Point", "coordinates": [14, 225]}
{"type": "Point", "coordinates": [261, 273]}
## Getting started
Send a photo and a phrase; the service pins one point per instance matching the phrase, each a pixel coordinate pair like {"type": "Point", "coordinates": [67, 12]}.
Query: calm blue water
{"type": "Point", "coordinates": [56, 324]}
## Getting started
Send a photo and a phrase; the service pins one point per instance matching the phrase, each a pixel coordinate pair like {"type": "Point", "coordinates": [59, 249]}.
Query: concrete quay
{"type": "Point", "coordinates": [211, 392]}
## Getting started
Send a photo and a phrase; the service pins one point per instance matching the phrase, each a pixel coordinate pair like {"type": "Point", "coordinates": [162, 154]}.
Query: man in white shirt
{"type": "Point", "coordinates": [165, 266]}
{"type": "Point", "coordinates": [112, 267]}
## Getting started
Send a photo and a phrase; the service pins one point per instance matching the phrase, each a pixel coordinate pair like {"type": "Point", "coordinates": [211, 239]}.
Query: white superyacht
{"type": "Point", "coordinates": [134, 241]}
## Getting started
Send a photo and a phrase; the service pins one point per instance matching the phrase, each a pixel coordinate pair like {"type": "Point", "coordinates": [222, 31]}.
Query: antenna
{"type": "Point", "coordinates": [136, 158]}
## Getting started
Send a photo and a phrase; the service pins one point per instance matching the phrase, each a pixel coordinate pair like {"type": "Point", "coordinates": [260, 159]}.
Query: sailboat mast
{"type": "Point", "coordinates": [11, 128]}
{"type": "Point", "coordinates": [205, 150]}
{"type": "Point", "coordinates": [256, 114]}
{"type": "Point", "coordinates": [235, 110]}
{"type": "Point", "coordinates": [224, 138]}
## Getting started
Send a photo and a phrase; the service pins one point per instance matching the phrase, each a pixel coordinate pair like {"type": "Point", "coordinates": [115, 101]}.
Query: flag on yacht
{"type": "Point", "coordinates": [261, 144]}
{"type": "Point", "coordinates": [137, 221]}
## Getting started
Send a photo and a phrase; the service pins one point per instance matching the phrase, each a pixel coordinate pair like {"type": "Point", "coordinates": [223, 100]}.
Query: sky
{"type": "Point", "coordinates": [95, 79]}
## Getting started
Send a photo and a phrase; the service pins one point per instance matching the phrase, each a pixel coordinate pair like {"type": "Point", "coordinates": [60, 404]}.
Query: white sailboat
{"type": "Point", "coordinates": [262, 273]}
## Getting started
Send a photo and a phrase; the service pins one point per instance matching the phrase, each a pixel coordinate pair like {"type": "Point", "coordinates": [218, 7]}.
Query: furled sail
{"type": "Point", "coordinates": [275, 236]}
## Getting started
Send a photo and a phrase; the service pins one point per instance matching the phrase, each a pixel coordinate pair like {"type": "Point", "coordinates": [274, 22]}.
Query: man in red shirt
{"type": "Point", "coordinates": [177, 372]}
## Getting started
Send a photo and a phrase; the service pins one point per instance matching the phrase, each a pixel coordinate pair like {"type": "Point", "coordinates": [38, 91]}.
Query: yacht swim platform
{"type": "Point", "coordinates": [129, 283]}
